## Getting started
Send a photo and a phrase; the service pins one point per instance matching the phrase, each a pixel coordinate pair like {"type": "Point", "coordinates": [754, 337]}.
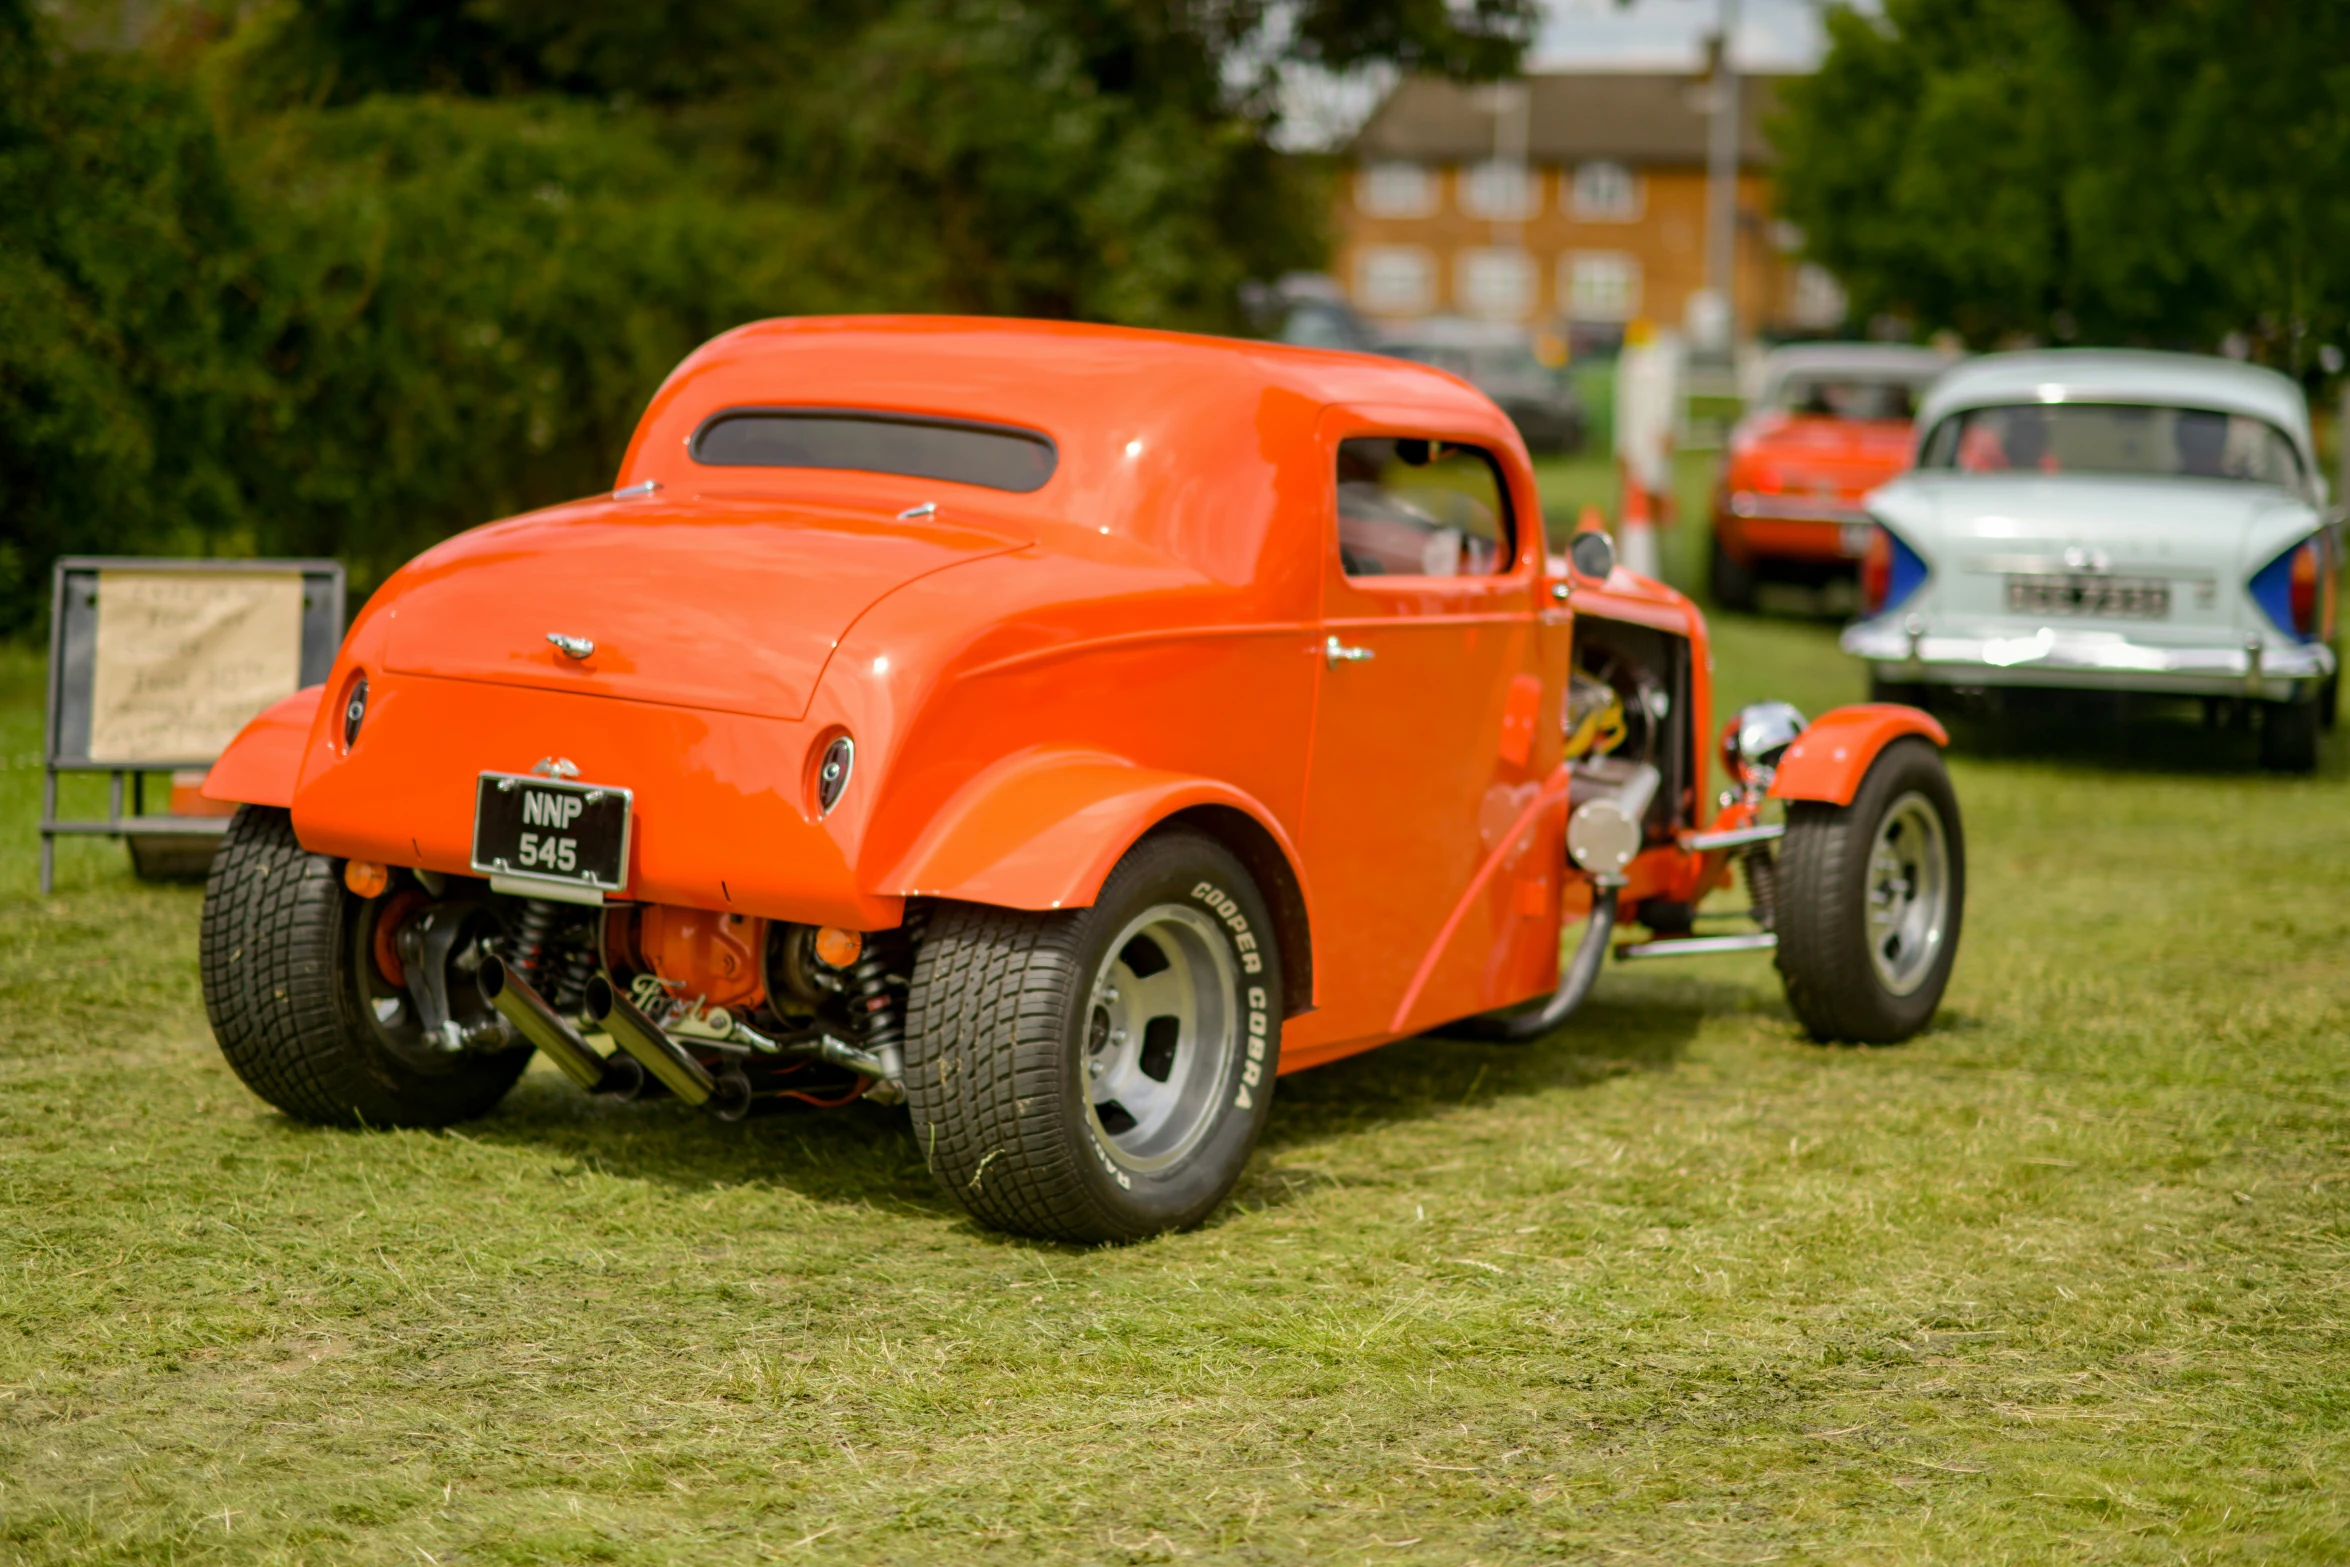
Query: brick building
{"type": "Point", "coordinates": [1601, 222]}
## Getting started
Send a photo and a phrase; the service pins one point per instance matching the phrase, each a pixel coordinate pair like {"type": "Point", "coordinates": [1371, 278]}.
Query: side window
{"type": "Point", "coordinates": [1415, 508]}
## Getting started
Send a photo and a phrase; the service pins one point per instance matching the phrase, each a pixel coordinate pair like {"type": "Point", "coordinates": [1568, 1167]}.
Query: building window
{"type": "Point", "coordinates": [1395, 190]}
{"type": "Point", "coordinates": [1494, 189]}
{"type": "Point", "coordinates": [1496, 284]}
{"type": "Point", "coordinates": [1819, 299]}
{"type": "Point", "coordinates": [1605, 192]}
{"type": "Point", "coordinates": [1600, 285]}
{"type": "Point", "coordinates": [1395, 280]}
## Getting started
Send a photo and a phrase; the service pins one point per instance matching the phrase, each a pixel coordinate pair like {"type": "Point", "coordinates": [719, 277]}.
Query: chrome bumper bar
{"type": "Point", "coordinates": [2103, 660]}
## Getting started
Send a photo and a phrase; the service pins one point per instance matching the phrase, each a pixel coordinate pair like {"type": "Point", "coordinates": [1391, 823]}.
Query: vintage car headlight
{"type": "Point", "coordinates": [2294, 588]}
{"type": "Point", "coordinates": [1756, 738]}
{"type": "Point", "coordinates": [1889, 572]}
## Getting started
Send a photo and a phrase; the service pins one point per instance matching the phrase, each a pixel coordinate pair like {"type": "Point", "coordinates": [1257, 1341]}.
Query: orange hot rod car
{"type": "Point", "coordinates": [1058, 729]}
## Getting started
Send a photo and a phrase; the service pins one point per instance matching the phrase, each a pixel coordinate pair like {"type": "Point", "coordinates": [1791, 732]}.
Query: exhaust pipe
{"type": "Point", "coordinates": [643, 1039]}
{"type": "Point", "coordinates": [541, 1024]}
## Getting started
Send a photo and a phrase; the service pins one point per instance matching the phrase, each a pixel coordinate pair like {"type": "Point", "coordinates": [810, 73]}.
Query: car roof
{"type": "Point", "coordinates": [1114, 400]}
{"type": "Point", "coordinates": [2122, 375]}
{"type": "Point", "coordinates": [1901, 359]}
{"type": "Point", "coordinates": [1457, 332]}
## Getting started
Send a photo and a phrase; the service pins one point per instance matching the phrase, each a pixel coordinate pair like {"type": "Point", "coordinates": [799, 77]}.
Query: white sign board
{"type": "Point", "coordinates": [185, 659]}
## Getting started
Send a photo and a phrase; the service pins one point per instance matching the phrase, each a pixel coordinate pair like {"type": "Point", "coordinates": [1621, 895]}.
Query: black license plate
{"type": "Point", "coordinates": [550, 830]}
{"type": "Point", "coordinates": [2111, 598]}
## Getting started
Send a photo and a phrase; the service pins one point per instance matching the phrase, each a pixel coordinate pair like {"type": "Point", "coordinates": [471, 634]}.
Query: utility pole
{"type": "Point", "coordinates": [1721, 175]}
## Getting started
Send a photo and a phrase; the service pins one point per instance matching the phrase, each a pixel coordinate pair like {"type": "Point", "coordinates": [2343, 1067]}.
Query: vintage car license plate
{"type": "Point", "coordinates": [551, 830]}
{"type": "Point", "coordinates": [2116, 598]}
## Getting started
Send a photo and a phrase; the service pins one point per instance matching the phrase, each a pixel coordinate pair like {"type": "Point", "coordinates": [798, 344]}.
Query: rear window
{"type": "Point", "coordinates": [994, 456]}
{"type": "Point", "coordinates": [2124, 438]}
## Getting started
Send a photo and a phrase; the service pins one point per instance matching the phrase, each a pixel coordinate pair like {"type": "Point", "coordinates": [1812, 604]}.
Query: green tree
{"type": "Point", "coordinates": [130, 368]}
{"type": "Point", "coordinates": [2151, 171]}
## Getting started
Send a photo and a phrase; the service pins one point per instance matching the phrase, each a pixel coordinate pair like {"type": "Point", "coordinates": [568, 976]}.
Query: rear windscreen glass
{"type": "Point", "coordinates": [1000, 457]}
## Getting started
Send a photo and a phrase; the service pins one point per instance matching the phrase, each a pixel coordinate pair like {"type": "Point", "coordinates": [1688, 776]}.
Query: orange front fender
{"type": "Point", "coordinates": [1833, 755]}
{"type": "Point", "coordinates": [262, 763]}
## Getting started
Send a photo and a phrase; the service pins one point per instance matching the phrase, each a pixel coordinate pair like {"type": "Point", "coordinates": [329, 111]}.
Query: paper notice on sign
{"type": "Point", "coordinates": [186, 658]}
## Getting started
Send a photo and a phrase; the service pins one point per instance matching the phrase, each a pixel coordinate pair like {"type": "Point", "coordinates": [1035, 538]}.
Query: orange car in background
{"type": "Point", "coordinates": [1057, 730]}
{"type": "Point", "coordinates": [1833, 422]}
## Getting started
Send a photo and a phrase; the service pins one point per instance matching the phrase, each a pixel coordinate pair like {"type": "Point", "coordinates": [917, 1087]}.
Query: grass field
{"type": "Point", "coordinates": [2064, 1280]}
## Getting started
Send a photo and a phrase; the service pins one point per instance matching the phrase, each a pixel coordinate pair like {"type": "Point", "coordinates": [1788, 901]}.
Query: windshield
{"type": "Point", "coordinates": [1826, 395]}
{"type": "Point", "coordinates": [2128, 438]}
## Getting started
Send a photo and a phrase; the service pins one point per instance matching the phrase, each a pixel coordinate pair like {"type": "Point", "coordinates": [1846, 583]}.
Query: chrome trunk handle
{"type": "Point", "coordinates": [1335, 653]}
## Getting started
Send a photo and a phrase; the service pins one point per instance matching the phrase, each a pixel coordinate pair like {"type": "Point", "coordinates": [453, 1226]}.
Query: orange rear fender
{"type": "Point", "coordinates": [1042, 829]}
{"type": "Point", "coordinates": [1834, 754]}
{"type": "Point", "coordinates": [262, 764]}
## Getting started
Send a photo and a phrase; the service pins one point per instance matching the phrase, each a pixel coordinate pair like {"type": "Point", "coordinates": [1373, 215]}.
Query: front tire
{"type": "Point", "coordinates": [280, 956]}
{"type": "Point", "coordinates": [1099, 1074]}
{"type": "Point", "coordinates": [1870, 900]}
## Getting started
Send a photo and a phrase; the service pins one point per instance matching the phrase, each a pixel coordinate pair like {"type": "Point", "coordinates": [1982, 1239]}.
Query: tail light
{"type": "Point", "coordinates": [1890, 571]}
{"type": "Point", "coordinates": [2296, 591]}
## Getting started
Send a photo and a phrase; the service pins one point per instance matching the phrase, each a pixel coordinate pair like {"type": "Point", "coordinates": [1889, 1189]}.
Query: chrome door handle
{"type": "Point", "coordinates": [1335, 653]}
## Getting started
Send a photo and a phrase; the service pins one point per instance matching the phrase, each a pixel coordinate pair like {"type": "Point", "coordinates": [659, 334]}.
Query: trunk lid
{"type": "Point", "coordinates": [2202, 538]}
{"type": "Point", "coordinates": [733, 605]}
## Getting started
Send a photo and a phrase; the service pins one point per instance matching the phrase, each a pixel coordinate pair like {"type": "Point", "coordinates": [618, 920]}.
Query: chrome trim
{"type": "Point", "coordinates": [630, 492]}
{"type": "Point", "coordinates": [918, 510]}
{"type": "Point", "coordinates": [553, 891]}
{"type": "Point", "coordinates": [1822, 509]}
{"type": "Point", "coordinates": [1335, 653]}
{"type": "Point", "coordinates": [572, 647]}
{"type": "Point", "coordinates": [2045, 654]}
{"type": "Point", "coordinates": [1697, 946]}
{"type": "Point", "coordinates": [1732, 838]}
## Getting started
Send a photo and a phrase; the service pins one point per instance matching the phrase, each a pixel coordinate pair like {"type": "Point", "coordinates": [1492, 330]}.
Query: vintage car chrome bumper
{"type": "Point", "coordinates": [2081, 659]}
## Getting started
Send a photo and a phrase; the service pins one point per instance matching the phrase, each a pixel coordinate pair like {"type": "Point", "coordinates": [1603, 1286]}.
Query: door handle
{"type": "Point", "coordinates": [1335, 653]}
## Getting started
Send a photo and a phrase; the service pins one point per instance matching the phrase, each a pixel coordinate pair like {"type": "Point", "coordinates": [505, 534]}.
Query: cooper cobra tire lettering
{"type": "Point", "coordinates": [998, 1022]}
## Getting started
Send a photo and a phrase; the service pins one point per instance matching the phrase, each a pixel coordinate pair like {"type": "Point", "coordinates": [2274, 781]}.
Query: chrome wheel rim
{"type": "Point", "coordinates": [1908, 893]}
{"type": "Point", "coordinates": [1159, 1034]}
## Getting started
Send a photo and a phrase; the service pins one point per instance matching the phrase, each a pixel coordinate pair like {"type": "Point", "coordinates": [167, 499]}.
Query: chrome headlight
{"type": "Point", "coordinates": [1755, 740]}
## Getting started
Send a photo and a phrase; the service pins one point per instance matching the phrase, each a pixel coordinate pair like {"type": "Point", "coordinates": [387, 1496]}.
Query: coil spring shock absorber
{"type": "Point", "coordinates": [578, 967]}
{"type": "Point", "coordinates": [526, 947]}
{"type": "Point", "coordinates": [884, 1025]}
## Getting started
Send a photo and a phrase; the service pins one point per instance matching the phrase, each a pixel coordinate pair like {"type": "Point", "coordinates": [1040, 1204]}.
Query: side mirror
{"type": "Point", "coordinates": [1593, 554]}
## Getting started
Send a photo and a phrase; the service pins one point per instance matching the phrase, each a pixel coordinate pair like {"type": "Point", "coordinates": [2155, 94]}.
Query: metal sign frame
{"type": "Point", "coordinates": [73, 669]}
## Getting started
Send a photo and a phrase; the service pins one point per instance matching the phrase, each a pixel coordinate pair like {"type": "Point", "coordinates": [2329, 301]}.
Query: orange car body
{"type": "Point", "coordinates": [1032, 681]}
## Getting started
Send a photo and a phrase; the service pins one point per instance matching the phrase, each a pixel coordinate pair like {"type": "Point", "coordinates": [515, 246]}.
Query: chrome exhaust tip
{"type": "Point", "coordinates": [644, 1040]}
{"type": "Point", "coordinates": [542, 1025]}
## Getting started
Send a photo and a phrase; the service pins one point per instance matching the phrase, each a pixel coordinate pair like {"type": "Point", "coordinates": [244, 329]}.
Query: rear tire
{"type": "Point", "coordinates": [1028, 1033]}
{"type": "Point", "coordinates": [2288, 735]}
{"type": "Point", "coordinates": [283, 989]}
{"type": "Point", "coordinates": [1733, 584]}
{"type": "Point", "coordinates": [1870, 901]}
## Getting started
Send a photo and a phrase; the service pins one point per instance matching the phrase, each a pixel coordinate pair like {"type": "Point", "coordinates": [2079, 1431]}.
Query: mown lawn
{"type": "Point", "coordinates": [2062, 1280]}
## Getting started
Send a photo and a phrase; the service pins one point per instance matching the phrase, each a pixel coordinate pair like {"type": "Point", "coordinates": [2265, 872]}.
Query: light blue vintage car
{"type": "Point", "coordinates": [2110, 520]}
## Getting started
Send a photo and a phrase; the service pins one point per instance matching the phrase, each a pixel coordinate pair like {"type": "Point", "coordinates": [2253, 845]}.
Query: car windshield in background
{"type": "Point", "coordinates": [2124, 438]}
{"type": "Point", "coordinates": [1847, 397]}
{"type": "Point", "coordinates": [998, 457]}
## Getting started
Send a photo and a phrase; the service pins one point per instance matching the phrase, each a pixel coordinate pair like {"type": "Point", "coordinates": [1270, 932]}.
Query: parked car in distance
{"type": "Point", "coordinates": [1498, 360]}
{"type": "Point", "coordinates": [1308, 309]}
{"type": "Point", "coordinates": [2114, 521]}
{"type": "Point", "coordinates": [1055, 729]}
{"type": "Point", "coordinates": [1833, 422]}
